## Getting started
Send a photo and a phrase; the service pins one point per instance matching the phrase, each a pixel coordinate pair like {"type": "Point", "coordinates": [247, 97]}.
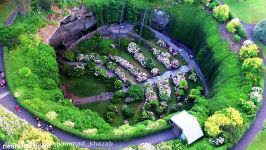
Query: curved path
{"type": "Point", "coordinates": [257, 125]}
{"type": "Point", "coordinates": [9, 102]}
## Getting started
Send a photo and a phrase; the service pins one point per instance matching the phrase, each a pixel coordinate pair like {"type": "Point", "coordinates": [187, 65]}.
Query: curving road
{"type": "Point", "coordinates": [257, 125]}
{"type": "Point", "coordinates": [8, 101]}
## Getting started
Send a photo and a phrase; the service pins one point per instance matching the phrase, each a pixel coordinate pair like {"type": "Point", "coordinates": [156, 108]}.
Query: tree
{"type": "Point", "coordinates": [136, 92]}
{"type": "Point", "coordinates": [128, 110]}
{"type": "Point", "coordinates": [229, 118]}
{"type": "Point", "coordinates": [260, 31]}
{"type": "Point", "coordinates": [23, 6]}
{"type": "Point", "coordinates": [221, 12]}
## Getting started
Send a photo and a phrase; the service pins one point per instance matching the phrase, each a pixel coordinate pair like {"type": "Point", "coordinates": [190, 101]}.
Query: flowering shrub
{"type": "Point", "coordinates": [161, 43]}
{"type": "Point", "coordinates": [233, 25]}
{"type": "Point", "coordinates": [34, 137]}
{"type": "Point", "coordinates": [21, 132]}
{"type": "Point", "coordinates": [51, 115]}
{"type": "Point", "coordinates": [146, 146]}
{"type": "Point", "coordinates": [111, 65]}
{"type": "Point", "coordinates": [248, 51]}
{"type": "Point", "coordinates": [164, 87]}
{"type": "Point", "coordinates": [155, 71]}
{"type": "Point", "coordinates": [149, 92]}
{"type": "Point", "coordinates": [100, 72]}
{"type": "Point", "coordinates": [175, 63]}
{"type": "Point", "coordinates": [160, 123]}
{"type": "Point", "coordinates": [92, 131]}
{"type": "Point", "coordinates": [229, 117]}
{"type": "Point", "coordinates": [141, 76]}
{"type": "Point", "coordinates": [221, 12]}
{"type": "Point", "coordinates": [133, 48]}
{"type": "Point", "coordinates": [147, 115]}
{"type": "Point", "coordinates": [80, 70]}
{"type": "Point", "coordinates": [69, 124]}
{"type": "Point", "coordinates": [91, 57]}
{"type": "Point", "coordinates": [193, 77]}
{"type": "Point", "coordinates": [163, 57]}
{"type": "Point", "coordinates": [140, 58]}
{"type": "Point", "coordinates": [121, 75]}
{"type": "Point", "coordinates": [256, 94]}
{"type": "Point", "coordinates": [248, 106]}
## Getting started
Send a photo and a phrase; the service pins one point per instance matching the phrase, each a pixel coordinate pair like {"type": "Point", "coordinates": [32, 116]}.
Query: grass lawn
{"type": "Point", "coordinates": [101, 109]}
{"type": "Point", "coordinates": [6, 8]}
{"type": "Point", "coordinates": [259, 142]}
{"type": "Point", "coordinates": [148, 54]}
{"type": "Point", "coordinates": [86, 86]}
{"type": "Point", "coordinates": [250, 11]}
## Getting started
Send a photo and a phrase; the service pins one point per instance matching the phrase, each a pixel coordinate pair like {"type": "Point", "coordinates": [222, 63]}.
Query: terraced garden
{"type": "Point", "coordinates": [117, 72]}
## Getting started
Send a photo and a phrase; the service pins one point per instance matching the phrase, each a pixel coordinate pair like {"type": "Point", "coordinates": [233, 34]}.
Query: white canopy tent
{"type": "Point", "coordinates": [189, 125]}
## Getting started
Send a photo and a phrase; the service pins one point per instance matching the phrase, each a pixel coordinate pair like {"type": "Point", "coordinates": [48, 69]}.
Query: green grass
{"type": "Point", "coordinates": [250, 11]}
{"type": "Point", "coordinates": [6, 8]}
{"type": "Point", "coordinates": [148, 54]}
{"type": "Point", "coordinates": [101, 109]}
{"type": "Point", "coordinates": [259, 142]}
{"type": "Point", "coordinates": [86, 86]}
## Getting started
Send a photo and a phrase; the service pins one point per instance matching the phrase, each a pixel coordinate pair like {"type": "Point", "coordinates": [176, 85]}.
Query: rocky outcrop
{"type": "Point", "coordinates": [159, 19]}
{"type": "Point", "coordinates": [73, 27]}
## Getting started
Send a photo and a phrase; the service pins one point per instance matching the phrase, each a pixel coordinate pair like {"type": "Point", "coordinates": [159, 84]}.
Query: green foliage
{"type": "Point", "coordinates": [221, 12]}
{"type": "Point", "coordinates": [220, 66]}
{"type": "Point", "coordinates": [228, 118]}
{"type": "Point", "coordinates": [69, 55]}
{"type": "Point", "coordinates": [260, 31]}
{"type": "Point", "coordinates": [128, 110]}
{"type": "Point", "coordinates": [236, 38]}
{"type": "Point", "coordinates": [118, 97]}
{"type": "Point", "coordinates": [146, 33]}
{"type": "Point", "coordinates": [248, 106]}
{"type": "Point", "coordinates": [118, 84]}
{"type": "Point", "coordinates": [136, 92]}
{"type": "Point", "coordinates": [249, 51]}
{"type": "Point", "coordinates": [24, 72]}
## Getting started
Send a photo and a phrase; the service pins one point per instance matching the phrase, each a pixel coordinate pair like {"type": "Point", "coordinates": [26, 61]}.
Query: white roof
{"type": "Point", "coordinates": [189, 125]}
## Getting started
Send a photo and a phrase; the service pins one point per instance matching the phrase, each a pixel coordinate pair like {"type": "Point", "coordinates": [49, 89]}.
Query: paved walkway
{"type": "Point", "coordinates": [168, 74]}
{"type": "Point", "coordinates": [257, 125]}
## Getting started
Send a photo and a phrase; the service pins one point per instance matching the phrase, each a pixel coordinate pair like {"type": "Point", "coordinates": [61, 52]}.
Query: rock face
{"type": "Point", "coordinates": [159, 19]}
{"type": "Point", "coordinates": [73, 27]}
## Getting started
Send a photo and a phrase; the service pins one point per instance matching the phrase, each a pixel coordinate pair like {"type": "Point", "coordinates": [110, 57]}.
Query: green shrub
{"type": "Point", "coordinates": [221, 12]}
{"type": "Point", "coordinates": [118, 97]}
{"type": "Point", "coordinates": [136, 92]}
{"type": "Point", "coordinates": [233, 25]}
{"type": "Point", "coordinates": [118, 84]}
{"type": "Point", "coordinates": [24, 72]}
{"type": "Point", "coordinates": [249, 51]}
{"type": "Point", "coordinates": [128, 111]}
{"type": "Point", "coordinates": [69, 55]}
{"type": "Point", "coordinates": [260, 31]}
{"type": "Point", "coordinates": [236, 38]}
